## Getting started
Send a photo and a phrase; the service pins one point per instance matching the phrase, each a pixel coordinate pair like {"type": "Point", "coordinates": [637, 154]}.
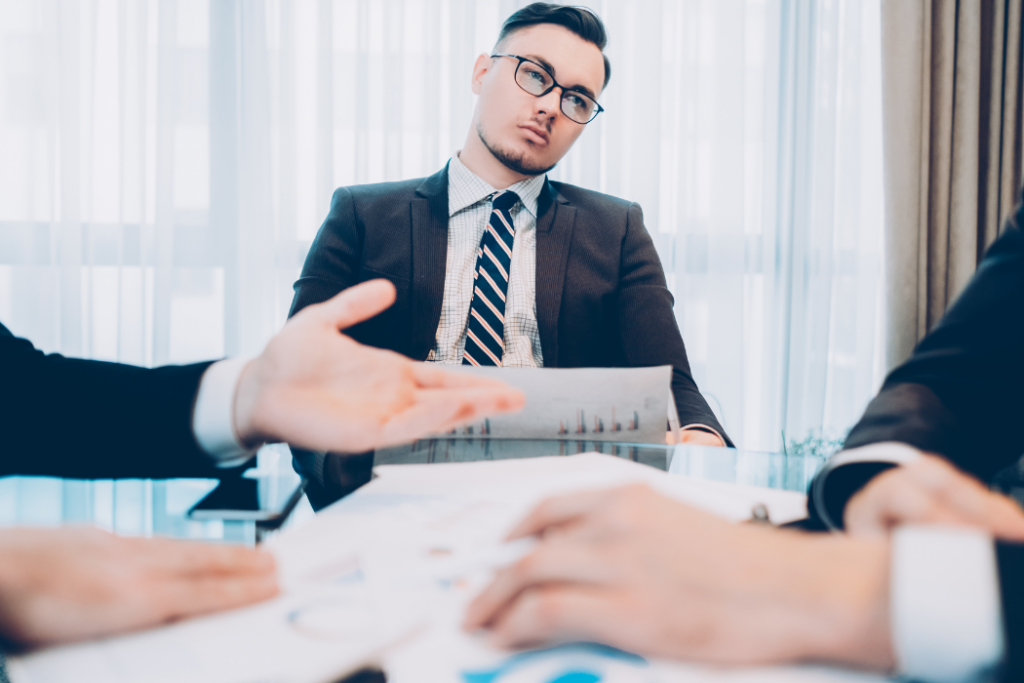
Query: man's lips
{"type": "Point", "coordinates": [536, 131]}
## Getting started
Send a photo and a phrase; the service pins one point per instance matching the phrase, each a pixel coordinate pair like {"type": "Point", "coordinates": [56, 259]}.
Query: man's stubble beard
{"type": "Point", "coordinates": [513, 162]}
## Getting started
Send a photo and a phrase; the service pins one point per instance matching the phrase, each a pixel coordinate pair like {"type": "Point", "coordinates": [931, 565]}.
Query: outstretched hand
{"type": "Point", "coordinates": [317, 388]}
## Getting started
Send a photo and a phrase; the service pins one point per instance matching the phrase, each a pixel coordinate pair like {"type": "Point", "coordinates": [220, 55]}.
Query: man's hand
{"type": "Point", "coordinates": [638, 571]}
{"type": "Point", "coordinates": [316, 388]}
{"type": "Point", "coordinates": [930, 490]}
{"type": "Point", "coordinates": [694, 437]}
{"type": "Point", "coordinates": [699, 437]}
{"type": "Point", "coordinates": [61, 585]}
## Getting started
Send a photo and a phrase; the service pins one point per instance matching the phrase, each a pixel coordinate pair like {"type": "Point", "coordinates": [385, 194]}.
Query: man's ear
{"type": "Point", "coordinates": [480, 69]}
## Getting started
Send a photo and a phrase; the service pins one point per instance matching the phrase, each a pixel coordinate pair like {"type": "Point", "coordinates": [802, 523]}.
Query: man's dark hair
{"type": "Point", "coordinates": [580, 20]}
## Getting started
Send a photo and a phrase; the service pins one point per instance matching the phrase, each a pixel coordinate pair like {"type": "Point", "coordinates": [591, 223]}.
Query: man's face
{"type": "Point", "coordinates": [530, 134]}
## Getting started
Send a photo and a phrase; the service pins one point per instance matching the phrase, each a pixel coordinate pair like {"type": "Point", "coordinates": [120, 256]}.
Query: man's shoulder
{"type": "Point", "coordinates": [395, 189]}
{"type": "Point", "coordinates": [591, 199]}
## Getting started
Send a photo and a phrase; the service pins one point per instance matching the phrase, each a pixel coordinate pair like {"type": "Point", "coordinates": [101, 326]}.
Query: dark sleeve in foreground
{"type": "Point", "coordinates": [87, 419]}
{"type": "Point", "coordinates": [960, 393]}
{"type": "Point", "coordinates": [1010, 559]}
{"type": "Point", "coordinates": [647, 323]}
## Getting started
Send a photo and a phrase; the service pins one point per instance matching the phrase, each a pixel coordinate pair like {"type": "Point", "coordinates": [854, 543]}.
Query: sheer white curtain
{"type": "Point", "coordinates": [166, 163]}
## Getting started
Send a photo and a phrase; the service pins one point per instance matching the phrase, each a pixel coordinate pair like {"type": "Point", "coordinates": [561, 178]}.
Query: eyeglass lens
{"type": "Point", "coordinates": [537, 81]}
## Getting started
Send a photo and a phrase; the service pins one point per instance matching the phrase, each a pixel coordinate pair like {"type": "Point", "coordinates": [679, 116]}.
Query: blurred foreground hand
{"type": "Point", "coordinates": [635, 570]}
{"type": "Point", "coordinates": [63, 585]}
{"type": "Point", "coordinates": [930, 490]}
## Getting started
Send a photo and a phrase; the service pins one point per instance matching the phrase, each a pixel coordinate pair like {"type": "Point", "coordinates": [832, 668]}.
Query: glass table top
{"type": "Point", "coordinates": [159, 507]}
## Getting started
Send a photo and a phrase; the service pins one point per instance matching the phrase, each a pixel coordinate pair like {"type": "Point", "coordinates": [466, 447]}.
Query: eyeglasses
{"type": "Point", "coordinates": [536, 80]}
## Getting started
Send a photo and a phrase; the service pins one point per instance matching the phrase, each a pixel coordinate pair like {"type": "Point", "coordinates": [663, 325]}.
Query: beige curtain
{"type": "Point", "coordinates": [951, 72]}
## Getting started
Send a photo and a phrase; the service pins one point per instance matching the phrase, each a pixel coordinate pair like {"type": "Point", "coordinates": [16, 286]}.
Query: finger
{"type": "Point", "coordinates": [192, 597]}
{"type": "Point", "coordinates": [560, 510]}
{"type": "Point", "coordinates": [559, 614]}
{"type": "Point", "coordinates": [428, 375]}
{"type": "Point", "coordinates": [198, 559]}
{"type": "Point", "coordinates": [968, 499]}
{"type": "Point", "coordinates": [561, 562]}
{"type": "Point", "coordinates": [1006, 518]}
{"type": "Point", "coordinates": [893, 502]}
{"type": "Point", "coordinates": [475, 402]}
{"type": "Point", "coordinates": [445, 409]}
{"type": "Point", "coordinates": [355, 304]}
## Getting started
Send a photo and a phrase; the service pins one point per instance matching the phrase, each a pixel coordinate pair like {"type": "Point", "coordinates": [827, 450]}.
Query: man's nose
{"type": "Point", "coordinates": [549, 105]}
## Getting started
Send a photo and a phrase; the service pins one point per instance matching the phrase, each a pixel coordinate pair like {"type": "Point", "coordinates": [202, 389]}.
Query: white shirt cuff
{"type": "Point", "coordinates": [212, 419]}
{"type": "Point", "coordinates": [946, 612]}
{"type": "Point", "coordinates": [887, 451]}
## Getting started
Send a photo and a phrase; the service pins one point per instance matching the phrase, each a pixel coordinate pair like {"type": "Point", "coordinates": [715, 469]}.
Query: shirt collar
{"type": "Point", "coordinates": [466, 188]}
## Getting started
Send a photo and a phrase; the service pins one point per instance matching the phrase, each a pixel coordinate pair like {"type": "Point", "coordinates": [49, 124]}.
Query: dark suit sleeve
{"type": "Point", "coordinates": [647, 323]}
{"type": "Point", "coordinates": [960, 393]}
{"type": "Point", "coordinates": [94, 420]}
{"type": "Point", "coordinates": [332, 264]}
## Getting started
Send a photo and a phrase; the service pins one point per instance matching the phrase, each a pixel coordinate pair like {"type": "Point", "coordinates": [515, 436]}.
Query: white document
{"type": "Point", "coordinates": [525, 482]}
{"type": "Point", "coordinates": [593, 404]}
{"type": "Point", "coordinates": [312, 638]}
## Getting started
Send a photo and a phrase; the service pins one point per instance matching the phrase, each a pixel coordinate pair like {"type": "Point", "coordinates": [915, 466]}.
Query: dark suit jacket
{"type": "Point", "coordinates": [602, 299]}
{"type": "Point", "coordinates": [88, 419]}
{"type": "Point", "coordinates": [961, 394]}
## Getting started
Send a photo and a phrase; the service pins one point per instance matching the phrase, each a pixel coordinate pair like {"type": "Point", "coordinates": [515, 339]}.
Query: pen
{"type": "Point", "coordinates": [759, 514]}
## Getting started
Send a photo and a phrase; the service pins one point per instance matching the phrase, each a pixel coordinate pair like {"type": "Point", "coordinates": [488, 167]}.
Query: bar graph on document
{"type": "Point", "coordinates": [598, 404]}
{"type": "Point", "coordinates": [567, 428]}
{"type": "Point", "coordinates": [478, 429]}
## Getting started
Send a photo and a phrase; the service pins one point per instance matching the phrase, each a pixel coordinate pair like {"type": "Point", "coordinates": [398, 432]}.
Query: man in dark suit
{"type": "Point", "coordinates": [495, 264]}
{"type": "Point", "coordinates": [929, 581]}
{"type": "Point", "coordinates": [311, 386]}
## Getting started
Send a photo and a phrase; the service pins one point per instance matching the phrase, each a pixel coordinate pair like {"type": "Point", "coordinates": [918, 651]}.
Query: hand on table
{"type": "Point", "coordinates": [632, 569]}
{"type": "Point", "coordinates": [699, 437]}
{"type": "Point", "coordinates": [316, 388]}
{"type": "Point", "coordinates": [61, 585]}
{"type": "Point", "coordinates": [930, 490]}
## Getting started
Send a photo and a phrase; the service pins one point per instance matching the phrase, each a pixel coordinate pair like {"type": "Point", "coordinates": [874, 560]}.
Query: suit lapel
{"type": "Point", "coordinates": [555, 221]}
{"type": "Point", "coordinates": [429, 215]}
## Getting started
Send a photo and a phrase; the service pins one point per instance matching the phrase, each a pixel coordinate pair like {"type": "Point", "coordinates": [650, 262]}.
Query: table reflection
{"type": "Point", "coordinates": [158, 508]}
{"type": "Point", "coordinates": [132, 507]}
{"type": "Point", "coordinates": [333, 476]}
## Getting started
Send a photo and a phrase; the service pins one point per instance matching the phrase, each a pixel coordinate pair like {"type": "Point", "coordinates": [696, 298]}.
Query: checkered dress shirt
{"type": "Point", "coordinates": [469, 209]}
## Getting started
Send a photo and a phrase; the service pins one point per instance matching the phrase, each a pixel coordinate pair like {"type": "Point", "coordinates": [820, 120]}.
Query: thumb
{"type": "Point", "coordinates": [357, 304]}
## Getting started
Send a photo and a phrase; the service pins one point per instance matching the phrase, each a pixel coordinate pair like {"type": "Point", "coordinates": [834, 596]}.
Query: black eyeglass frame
{"type": "Point", "coordinates": [554, 84]}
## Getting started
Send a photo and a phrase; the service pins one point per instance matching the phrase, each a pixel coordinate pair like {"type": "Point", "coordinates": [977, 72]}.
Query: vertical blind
{"type": "Point", "coordinates": [166, 164]}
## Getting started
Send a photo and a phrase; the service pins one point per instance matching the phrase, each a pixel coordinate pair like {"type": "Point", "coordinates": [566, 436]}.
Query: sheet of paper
{"type": "Point", "coordinates": [335, 624]}
{"type": "Point", "coordinates": [596, 404]}
{"type": "Point", "coordinates": [527, 481]}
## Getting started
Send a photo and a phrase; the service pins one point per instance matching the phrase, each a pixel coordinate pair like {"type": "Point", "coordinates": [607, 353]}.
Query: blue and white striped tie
{"type": "Point", "coordinates": [485, 330]}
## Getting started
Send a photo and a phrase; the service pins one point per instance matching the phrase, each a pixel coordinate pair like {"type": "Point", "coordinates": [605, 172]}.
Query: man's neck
{"type": "Point", "coordinates": [478, 159]}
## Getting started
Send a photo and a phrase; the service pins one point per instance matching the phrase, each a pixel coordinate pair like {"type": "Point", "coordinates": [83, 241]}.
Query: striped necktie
{"type": "Point", "coordinates": [485, 330]}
